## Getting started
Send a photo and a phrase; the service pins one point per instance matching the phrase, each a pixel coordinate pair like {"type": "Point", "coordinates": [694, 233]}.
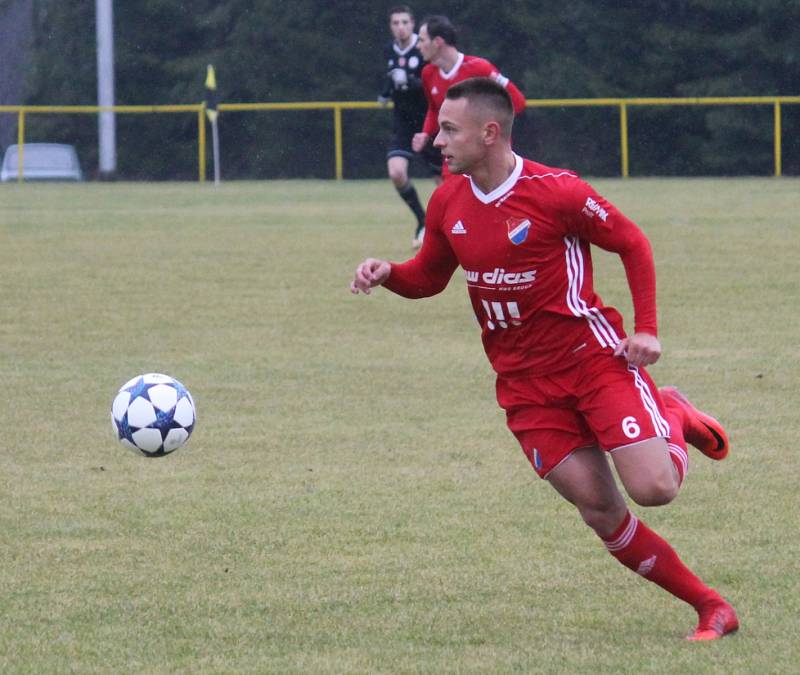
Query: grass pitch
{"type": "Point", "coordinates": [350, 500]}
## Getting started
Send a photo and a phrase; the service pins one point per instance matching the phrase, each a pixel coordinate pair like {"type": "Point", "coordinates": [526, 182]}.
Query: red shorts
{"type": "Point", "coordinates": [601, 401]}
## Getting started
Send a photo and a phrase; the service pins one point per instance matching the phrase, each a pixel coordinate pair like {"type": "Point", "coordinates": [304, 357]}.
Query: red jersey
{"type": "Point", "coordinates": [525, 252]}
{"type": "Point", "coordinates": [436, 83]}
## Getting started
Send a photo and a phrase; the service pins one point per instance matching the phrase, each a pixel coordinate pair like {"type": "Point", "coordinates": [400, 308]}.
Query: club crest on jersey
{"type": "Point", "coordinates": [518, 230]}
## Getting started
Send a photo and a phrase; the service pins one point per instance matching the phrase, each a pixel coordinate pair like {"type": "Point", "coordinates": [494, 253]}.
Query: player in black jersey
{"type": "Point", "coordinates": [403, 86]}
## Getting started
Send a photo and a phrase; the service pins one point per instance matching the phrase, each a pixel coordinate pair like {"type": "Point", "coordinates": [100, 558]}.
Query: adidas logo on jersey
{"type": "Point", "coordinates": [458, 228]}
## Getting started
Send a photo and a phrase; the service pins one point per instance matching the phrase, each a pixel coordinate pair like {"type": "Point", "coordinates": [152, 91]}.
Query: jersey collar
{"type": "Point", "coordinates": [452, 73]}
{"type": "Point", "coordinates": [411, 45]}
{"type": "Point", "coordinates": [501, 189]}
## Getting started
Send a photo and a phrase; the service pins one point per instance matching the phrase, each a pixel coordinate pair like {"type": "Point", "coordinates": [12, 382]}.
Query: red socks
{"type": "Point", "coordinates": [639, 548]}
{"type": "Point", "coordinates": [677, 444]}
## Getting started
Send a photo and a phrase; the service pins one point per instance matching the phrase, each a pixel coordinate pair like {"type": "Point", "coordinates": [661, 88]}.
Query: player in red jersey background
{"type": "Point", "coordinates": [448, 66]}
{"type": "Point", "coordinates": [572, 383]}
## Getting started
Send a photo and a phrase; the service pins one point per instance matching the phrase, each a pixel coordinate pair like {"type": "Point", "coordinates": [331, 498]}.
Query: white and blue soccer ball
{"type": "Point", "coordinates": [153, 414]}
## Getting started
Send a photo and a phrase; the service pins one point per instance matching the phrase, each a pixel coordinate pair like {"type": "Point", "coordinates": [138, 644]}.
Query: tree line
{"type": "Point", "coordinates": [307, 50]}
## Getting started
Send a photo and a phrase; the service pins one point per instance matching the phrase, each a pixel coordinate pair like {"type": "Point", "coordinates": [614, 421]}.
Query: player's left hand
{"type": "Point", "coordinates": [640, 349]}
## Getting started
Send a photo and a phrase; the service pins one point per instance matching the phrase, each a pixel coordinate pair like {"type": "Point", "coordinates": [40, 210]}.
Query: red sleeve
{"type": "Point", "coordinates": [430, 270]}
{"type": "Point", "coordinates": [431, 124]}
{"type": "Point", "coordinates": [597, 220]}
{"type": "Point", "coordinates": [517, 97]}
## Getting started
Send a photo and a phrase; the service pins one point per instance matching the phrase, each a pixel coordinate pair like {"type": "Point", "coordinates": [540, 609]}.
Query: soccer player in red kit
{"type": "Point", "coordinates": [572, 383]}
{"type": "Point", "coordinates": [448, 66]}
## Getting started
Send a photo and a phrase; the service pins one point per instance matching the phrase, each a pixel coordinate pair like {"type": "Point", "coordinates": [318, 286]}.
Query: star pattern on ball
{"type": "Point", "coordinates": [124, 429]}
{"type": "Point", "coordinates": [165, 421]}
{"type": "Point", "coordinates": [154, 414]}
{"type": "Point", "coordinates": [140, 388]}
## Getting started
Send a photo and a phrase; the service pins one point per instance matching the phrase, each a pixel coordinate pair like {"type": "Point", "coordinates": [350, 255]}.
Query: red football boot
{"type": "Point", "coordinates": [717, 618]}
{"type": "Point", "coordinates": [701, 430]}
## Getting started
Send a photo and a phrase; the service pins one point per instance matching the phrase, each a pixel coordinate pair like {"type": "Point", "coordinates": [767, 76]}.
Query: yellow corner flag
{"type": "Point", "coordinates": [211, 95]}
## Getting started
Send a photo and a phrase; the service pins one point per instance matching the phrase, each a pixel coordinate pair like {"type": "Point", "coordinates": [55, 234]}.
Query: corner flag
{"type": "Point", "coordinates": [211, 111]}
{"type": "Point", "coordinates": [211, 95]}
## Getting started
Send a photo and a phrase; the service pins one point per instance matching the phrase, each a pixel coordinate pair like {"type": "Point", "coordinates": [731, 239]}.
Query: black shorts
{"type": "Point", "coordinates": [400, 146]}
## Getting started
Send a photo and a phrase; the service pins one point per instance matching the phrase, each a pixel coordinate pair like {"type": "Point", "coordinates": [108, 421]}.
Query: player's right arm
{"type": "Point", "coordinates": [422, 276]}
{"type": "Point", "coordinates": [431, 123]}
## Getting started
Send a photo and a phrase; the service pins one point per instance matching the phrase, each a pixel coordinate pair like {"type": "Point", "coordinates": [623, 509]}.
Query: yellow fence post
{"type": "Point", "coordinates": [778, 139]}
{"type": "Point", "coordinates": [20, 143]}
{"type": "Point", "coordinates": [623, 137]}
{"type": "Point", "coordinates": [337, 139]}
{"type": "Point", "coordinates": [201, 144]}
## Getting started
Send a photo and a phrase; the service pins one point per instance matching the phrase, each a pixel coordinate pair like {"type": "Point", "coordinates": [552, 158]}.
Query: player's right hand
{"type": "Point", "coordinates": [419, 141]}
{"type": "Point", "coordinates": [370, 273]}
{"type": "Point", "coordinates": [384, 100]}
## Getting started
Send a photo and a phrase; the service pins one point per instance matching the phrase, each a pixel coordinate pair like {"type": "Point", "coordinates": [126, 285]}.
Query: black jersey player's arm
{"type": "Point", "coordinates": [597, 220]}
{"type": "Point", "coordinates": [430, 270]}
{"type": "Point", "coordinates": [386, 85]}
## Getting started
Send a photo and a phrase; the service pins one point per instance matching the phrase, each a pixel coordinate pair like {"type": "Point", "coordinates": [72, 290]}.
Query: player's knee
{"type": "Point", "coordinates": [655, 492]}
{"type": "Point", "coordinates": [398, 175]}
{"type": "Point", "coordinates": [602, 517]}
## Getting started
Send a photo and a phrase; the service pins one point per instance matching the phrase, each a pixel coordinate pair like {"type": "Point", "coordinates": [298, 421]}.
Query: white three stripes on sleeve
{"type": "Point", "coordinates": [602, 329]}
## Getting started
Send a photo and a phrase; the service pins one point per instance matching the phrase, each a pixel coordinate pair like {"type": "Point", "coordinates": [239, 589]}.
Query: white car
{"type": "Point", "coordinates": [41, 161]}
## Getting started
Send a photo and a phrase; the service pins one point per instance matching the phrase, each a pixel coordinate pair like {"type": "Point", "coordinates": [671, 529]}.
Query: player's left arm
{"type": "Point", "coordinates": [597, 220]}
{"type": "Point", "coordinates": [517, 97]}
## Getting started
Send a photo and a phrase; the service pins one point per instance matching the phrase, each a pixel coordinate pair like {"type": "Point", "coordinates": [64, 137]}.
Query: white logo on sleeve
{"type": "Point", "coordinates": [592, 208]}
{"type": "Point", "coordinates": [458, 228]}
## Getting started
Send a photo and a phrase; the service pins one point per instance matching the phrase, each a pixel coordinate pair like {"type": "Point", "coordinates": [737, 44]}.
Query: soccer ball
{"type": "Point", "coordinates": [153, 414]}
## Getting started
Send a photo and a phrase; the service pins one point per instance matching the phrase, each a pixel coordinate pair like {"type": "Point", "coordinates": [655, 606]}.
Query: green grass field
{"type": "Point", "coordinates": [351, 500]}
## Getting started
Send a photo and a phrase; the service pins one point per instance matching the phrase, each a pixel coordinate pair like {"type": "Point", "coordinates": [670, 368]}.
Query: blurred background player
{"type": "Point", "coordinates": [447, 66]}
{"type": "Point", "coordinates": [403, 86]}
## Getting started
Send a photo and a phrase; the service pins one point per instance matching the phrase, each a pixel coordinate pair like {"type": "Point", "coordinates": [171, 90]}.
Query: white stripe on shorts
{"type": "Point", "coordinates": [660, 424]}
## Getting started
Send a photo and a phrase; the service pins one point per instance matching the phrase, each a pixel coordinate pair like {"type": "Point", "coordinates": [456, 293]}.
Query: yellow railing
{"type": "Point", "coordinates": [338, 106]}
